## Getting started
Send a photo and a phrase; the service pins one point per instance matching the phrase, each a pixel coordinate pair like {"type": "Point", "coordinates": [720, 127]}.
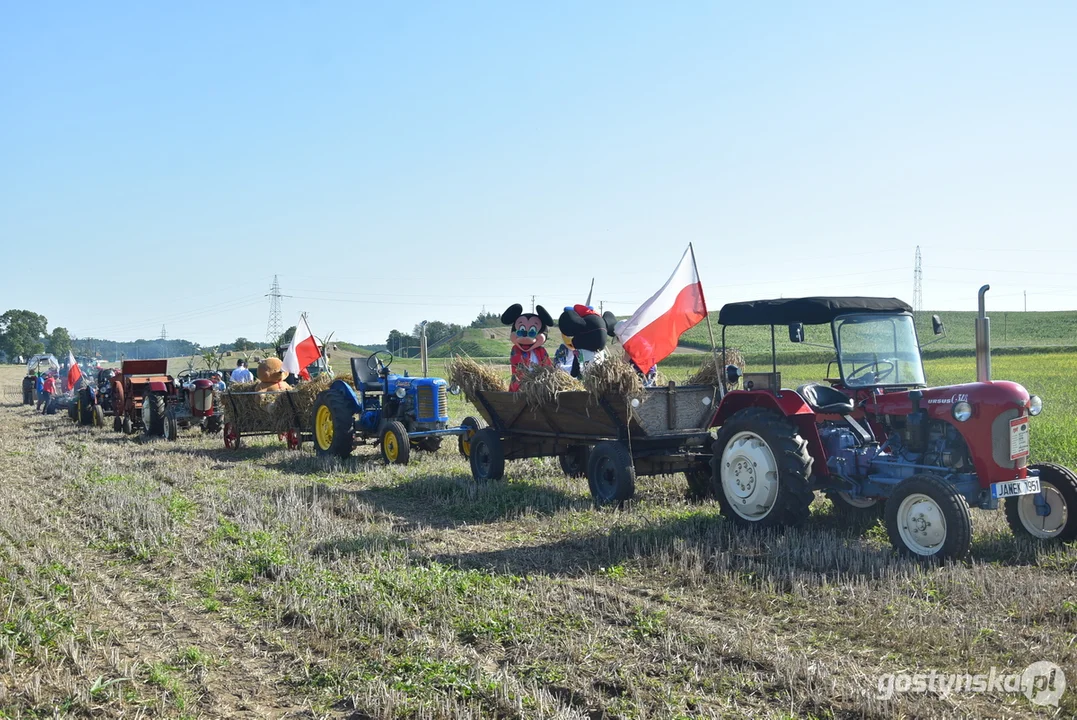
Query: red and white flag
{"type": "Point", "coordinates": [74, 372]}
{"type": "Point", "coordinates": [303, 351]}
{"type": "Point", "coordinates": [653, 332]}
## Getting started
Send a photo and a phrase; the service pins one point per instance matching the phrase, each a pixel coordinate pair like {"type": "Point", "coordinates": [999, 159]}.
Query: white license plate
{"type": "Point", "coordinates": [1018, 438]}
{"type": "Point", "coordinates": [1013, 488]}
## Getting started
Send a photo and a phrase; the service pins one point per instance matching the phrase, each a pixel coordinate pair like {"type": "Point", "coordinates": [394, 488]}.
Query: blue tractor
{"type": "Point", "coordinates": [397, 412]}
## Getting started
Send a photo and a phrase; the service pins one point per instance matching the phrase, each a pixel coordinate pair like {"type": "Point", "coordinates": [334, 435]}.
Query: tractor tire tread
{"type": "Point", "coordinates": [1067, 486]}
{"type": "Point", "coordinates": [955, 510]}
{"type": "Point", "coordinates": [343, 424]}
{"type": "Point", "coordinates": [625, 484]}
{"type": "Point", "coordinates": [792, 507]}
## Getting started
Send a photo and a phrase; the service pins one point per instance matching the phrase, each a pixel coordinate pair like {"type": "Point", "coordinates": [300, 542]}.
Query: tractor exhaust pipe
{"type": "Point", "coordinates": [983, 340]}
{"type": "Point", "coordinates": [422, 347]}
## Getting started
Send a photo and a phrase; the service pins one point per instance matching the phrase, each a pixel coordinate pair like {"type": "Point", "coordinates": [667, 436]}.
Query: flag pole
{"type": "Point", "coordinates": [710, 328]}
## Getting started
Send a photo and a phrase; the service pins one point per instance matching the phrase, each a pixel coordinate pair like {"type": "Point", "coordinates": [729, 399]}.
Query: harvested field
{"type": "Point", "coordinates": [181, 580]}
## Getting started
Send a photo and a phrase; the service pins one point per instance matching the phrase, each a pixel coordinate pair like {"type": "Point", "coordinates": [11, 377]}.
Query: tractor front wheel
{"type": "Point", "coordinates": [127, 426]}
{"type": "Point", "coordinates": [611, 475]}
{"type": "Point", "coordinates": [928, 519]}
{"type": "Point", "coordinates": [1059, 488]}
{"type": "Point", "coordinates": [762, 470]}
{"type": "Point", "coordinates": [395, 446]}
{"type": "Point", "coordinates": [487, 456]}
{"type": "Point", "coordinates": [117, 423]}
{"type": "Point", "coordinates": [86, 406]}
{"type": "Point", "coordinates": [98, 416]}
{"type": "Point", "coordinates": [463, 441]}
{"type": "Point", "coordinates": [169, 426]}
{"type": "Point", "coordinates": [333, 425]}
{"type": "Point", "coordinates": [574, 461]}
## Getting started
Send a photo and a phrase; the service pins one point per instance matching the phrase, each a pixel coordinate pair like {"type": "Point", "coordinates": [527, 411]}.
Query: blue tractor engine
{"type": "Point", "coordinates": [913, 444]}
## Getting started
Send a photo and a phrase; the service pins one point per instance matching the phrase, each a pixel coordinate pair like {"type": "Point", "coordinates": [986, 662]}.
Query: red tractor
{"type": "Point", "coordinates": [878, 436]}
{"type": "Point", "coordinates": [138, 394]}
{"type": "Point", "coordinates": [192, 403]}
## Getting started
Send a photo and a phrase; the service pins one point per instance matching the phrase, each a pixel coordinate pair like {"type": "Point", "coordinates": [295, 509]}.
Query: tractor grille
{"type": "Point", "coordinates": [429, 405]}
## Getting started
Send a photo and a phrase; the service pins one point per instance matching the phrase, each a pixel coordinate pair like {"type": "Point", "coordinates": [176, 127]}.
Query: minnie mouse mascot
{"type": "Point", "coordinates": [528, 334]}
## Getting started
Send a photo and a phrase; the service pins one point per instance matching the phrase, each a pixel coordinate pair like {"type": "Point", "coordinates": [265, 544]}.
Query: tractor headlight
{"type": "Point", "coordinates": [962, 411]}
{"type": "Point", "coordinates": [454, 389]}
{"type": "Point", "coordinates": [401, 393]}
{"type": "Point", "coordinates": [1035, 405]}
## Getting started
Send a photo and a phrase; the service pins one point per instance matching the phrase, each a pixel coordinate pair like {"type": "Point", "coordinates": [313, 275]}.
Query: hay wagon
{"type": "Point", "coordinates": [251, 413]}
{"type": "Point", "coordinates": [612, 440]}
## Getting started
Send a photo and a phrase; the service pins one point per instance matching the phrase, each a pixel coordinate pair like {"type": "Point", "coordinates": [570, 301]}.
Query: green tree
{"type": "Point", "coordinates": [242, 344]}
{"type": "Point", "coordinates": [22, 332]}
{"type": "Point", "coordinates": [286, 338]}
{"type": "Point", "coordinates": [59, 343]}
{"type": "Point", "coordinates": [486, 319]}
{"type": "Point", "coordinates": [437, 330]}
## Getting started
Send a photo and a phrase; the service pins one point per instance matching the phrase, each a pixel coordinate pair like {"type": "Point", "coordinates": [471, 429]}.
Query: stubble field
{"type": "Point", "coordinates": [154, 579]}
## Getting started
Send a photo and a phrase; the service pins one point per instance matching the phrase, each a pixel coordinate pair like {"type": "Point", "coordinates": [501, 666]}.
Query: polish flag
{"type": "Point", "coordinates": [74, 372]}
{"type": "Point", "coordinates": [652, 333]}
{"type": "Point", "coordinates": [303, 351]}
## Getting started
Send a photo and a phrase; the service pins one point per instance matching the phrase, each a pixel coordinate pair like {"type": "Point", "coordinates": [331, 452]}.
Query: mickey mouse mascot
{"type": "Point", "coordinates": [584, 332]}
{"type": "Point", "coordinates": [528, 334]}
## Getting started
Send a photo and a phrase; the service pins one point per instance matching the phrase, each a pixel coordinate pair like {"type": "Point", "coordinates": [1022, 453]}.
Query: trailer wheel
{"type": "Point", "coordinates": [611, 475]}
{"type": "Point", "coordinates": [700, 483]}
{"type": "Point", "coordinates": [762, 470]}
{"type": "Point", "coordinates": [429, 444]}
{"type": "Point", "coordinates": [487, 456]}
{"type": "Point", "coordinates": [395, 446]}
{"type": "Point", "coordinates": [117, 423]}
{"type": "Point", "coordinates": [853, 509]}
{"type": "Point", "coordinates": [98, 416]}
{"type": "Point", "coordinates": [231, 437]}
{"type": "Point", "coordinates": [153, 414]}
{"type": "Point", "coordinates": [574, 461]}
{"type": "Point", "coordinates": [1059, 488]}
{"type": "Point", "coordinates": [128, 426]}
{"type": "Point", "coordinates": [463, 441]}
{"type": "Point", "coordinates": [333, 425]}
{"type": "Point", "coordinates": [928, 519]}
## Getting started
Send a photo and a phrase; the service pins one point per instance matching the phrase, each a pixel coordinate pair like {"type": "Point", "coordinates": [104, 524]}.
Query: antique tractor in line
{"type": "Point", "coordinates": [94, 400]}
{"type": "Point", "coordinates": [396, 411]}
{"type": "Point", "coordinates": [878, 437]}
{"type": "Point", "coordinates": [139, 393]}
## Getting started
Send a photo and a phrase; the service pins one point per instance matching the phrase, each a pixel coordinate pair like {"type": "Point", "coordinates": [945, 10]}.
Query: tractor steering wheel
{"type": "Point", "coordinates": [879, 373]}
{"type": "Point", "coordinates": [375, 364]}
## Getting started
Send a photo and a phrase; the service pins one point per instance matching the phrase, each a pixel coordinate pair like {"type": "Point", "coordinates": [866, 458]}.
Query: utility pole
{"type": "Point", "coordinates": [275, 326]}
{"type": "Point", "coordinates": [164, 339]}
{"type": "Point", "coordinates": [601, 305]}
{"type": "Point", "coordinates": [532, 303]}
{"type": "Point", "coordinates": [1025, 292]}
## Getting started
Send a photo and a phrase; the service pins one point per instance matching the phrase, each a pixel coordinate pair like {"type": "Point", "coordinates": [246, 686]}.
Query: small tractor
{"type": "Point", "coordinates": [93, 400]}
{"type": "Point", "coordinates": [193, 402]}
{"type": "Point", "coordinates": [877, 436]}
{"type": "Point", "coordinates": [397, 411]}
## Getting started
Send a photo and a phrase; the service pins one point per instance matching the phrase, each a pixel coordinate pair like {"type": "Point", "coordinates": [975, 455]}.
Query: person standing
{"type": "Point", "coordinates": [48, 388]}
{"type": "Point", "coordinates": [241, 373]}
{"type": "Point", "coordinates": [39, 388]}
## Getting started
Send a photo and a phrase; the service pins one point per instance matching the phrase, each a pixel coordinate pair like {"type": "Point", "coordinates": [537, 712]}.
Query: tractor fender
{"type": "Point", "coordinates": [157, 386]}
{"type": "Point", "coordinates": [789, 405]}
{"type": "Point", "coordinates": [345, 390]}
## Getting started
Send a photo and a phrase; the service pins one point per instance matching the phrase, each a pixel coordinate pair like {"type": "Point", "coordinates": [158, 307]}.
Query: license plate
{"type": "Point", "coordinates": [1013, 488]}
{"type": "Point", "coordinates": [1018, 438]}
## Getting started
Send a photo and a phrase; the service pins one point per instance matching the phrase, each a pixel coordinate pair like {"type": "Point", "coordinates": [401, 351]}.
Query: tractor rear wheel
{"type": "Point", "coordinates": [98, 416]}
{"type": "Point", "coordinates": [761, 470]}
{"type": "Point", "coordinates": [153, 414]}
{"type": "Point", "coordinates": [574, 461]}
{"type": "Point", "coordinates": [333, 425]}
{"type": "Point", "coordinates": [611, 475]}
{"type": "Point", "coordinates": [487, 456]}
{"type": "Point", "coordinates": [463, 441]}
{"type": "Point", "coordinates": [928, 519]}
{"type": "Point", "coordinates": [1059, 487]}
{"type": "Point", "coordinates": [395, 446]}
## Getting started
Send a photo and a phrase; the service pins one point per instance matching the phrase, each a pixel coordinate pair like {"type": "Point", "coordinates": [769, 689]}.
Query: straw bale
{"type": "Point", "coordinates": [707, 374]}
{"type": "Point", "coordinates": [474, 377]}
{"type": "Point", "coordinates": [541, 385]}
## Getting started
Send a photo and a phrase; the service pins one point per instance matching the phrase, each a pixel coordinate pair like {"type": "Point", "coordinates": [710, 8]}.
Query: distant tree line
{"type": "Point", "coordinates": [403, 343]}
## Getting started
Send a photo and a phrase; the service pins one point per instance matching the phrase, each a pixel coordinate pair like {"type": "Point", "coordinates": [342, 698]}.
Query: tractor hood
{"type": "Point", "coordinates": [989, 397]}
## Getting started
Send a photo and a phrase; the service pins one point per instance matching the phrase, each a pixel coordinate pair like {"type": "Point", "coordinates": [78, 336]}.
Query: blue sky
{"type": "Point", "coordinates": [405, 161]}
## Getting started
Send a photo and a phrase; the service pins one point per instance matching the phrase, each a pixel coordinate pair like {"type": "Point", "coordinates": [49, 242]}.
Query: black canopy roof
{"type": "Point", "coordinates": [810, 311]}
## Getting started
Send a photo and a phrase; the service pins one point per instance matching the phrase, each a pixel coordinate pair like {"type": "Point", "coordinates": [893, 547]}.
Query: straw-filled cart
{"type": "Point", "coordinates": [249, 413]}
{"type": "Point", "coordinates": [612, 438]}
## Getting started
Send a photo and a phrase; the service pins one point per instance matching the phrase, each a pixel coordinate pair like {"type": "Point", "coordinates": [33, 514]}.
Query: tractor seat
{"type": "Point", "coordinates": [362, 373]}
{"type": "Point", "coordinates": [825, 399]}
